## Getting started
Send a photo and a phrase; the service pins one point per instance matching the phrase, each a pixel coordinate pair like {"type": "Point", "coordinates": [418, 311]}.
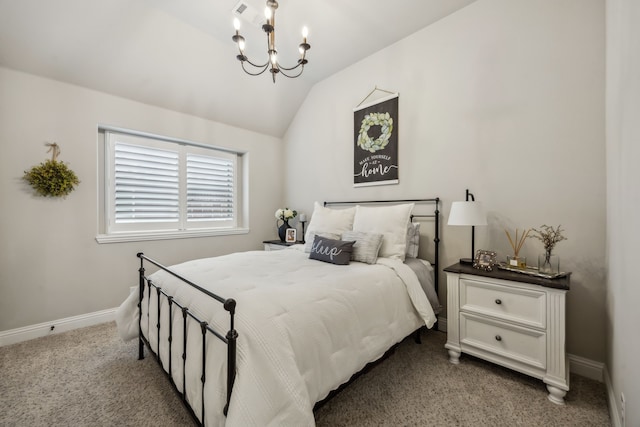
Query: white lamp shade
{"type": "Point", "coordinates": [467, 213]}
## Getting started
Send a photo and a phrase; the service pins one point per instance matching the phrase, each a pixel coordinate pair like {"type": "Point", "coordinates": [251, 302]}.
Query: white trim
{"type": "Point", "coordinates": [586, 367]}
{"type": "Point", "coordinates": [25, 333]}
{"type": "Point", "coordinates": [108, 128]}
{"type": "Point", "coordinates": [165, 235]}
{"type": "Point", "coordinates": [442, 324]}
{"type": "Point", "coordinates": [614, 409]}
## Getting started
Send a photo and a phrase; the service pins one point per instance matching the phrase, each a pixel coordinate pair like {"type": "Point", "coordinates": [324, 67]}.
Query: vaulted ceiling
{"type": "Point", "coordinates": [178, 54]}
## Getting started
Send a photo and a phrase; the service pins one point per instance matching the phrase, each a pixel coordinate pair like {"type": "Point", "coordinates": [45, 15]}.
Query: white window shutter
{"type": "Point", "coordinates": [146, 183]}
{"type": "Point", "coordinates": [157, 186]}
{"type": "Point", "coordinates": [210, 188]}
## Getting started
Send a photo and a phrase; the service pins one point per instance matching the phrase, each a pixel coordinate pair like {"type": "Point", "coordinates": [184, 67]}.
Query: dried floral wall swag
{"type": "Point", "coordinates": [52, 178]}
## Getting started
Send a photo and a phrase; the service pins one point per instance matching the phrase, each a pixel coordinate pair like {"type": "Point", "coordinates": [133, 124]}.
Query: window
{"type": "Point", "coordinates": [158, 188]}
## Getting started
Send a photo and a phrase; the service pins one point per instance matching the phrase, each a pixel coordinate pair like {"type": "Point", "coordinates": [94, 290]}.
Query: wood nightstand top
{"type": "Point", "coordinates": [281, 243]}
{"type": "Point", "coordinates": [559, 283]}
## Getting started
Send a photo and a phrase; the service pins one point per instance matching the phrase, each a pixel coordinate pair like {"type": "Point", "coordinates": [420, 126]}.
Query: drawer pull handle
{"type": "Point", "coordinates": [498, 301]}
{"type": "Point", "coordinates": [498, 338]}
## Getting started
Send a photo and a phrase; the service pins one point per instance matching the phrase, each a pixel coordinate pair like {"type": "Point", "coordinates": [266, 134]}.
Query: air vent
{"type": "Point", "coordinates": [248, 14]}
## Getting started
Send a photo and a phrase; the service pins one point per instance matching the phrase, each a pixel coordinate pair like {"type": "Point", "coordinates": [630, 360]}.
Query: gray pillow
{"type": "Point", "coordinates": [366, 247]}
{"type": "Point", "coordinates": [312, 235]}
{"type": "Point", "coordinates": [413, 240]}
{"type": "Point", "coordinates": [333, 251]}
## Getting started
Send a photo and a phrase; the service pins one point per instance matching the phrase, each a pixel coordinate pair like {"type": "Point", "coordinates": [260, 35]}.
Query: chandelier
{"type": "Point", "coordinates": [272, 63]}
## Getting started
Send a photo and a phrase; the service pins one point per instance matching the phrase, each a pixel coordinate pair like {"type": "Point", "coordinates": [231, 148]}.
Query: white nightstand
{"type": "Point", "coordinates": [511, 319]}
{"type": "Point", "coordinates": [276, 245]}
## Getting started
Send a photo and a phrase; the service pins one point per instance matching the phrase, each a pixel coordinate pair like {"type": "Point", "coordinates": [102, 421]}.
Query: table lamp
{"type": "Point", "coordinates": [469, 213]}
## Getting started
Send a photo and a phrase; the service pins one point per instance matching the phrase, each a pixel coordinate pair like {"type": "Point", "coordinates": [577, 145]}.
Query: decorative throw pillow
{"type": "Point", "coordinates": [413, 240]}
{"type": "Point", "coordinates": [391, 221]}
{"type": "Point", "coordinates": [330, 220]}
{"type": "Point", "coordinates": [366, 247]}
{"type": "Point", "coordinates": [333, 251]}
{"type": "Point", "coordinates": [313, 234]}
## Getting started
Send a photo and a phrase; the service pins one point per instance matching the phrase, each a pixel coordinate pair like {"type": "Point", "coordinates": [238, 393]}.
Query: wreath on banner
{"type": "Point", "coordinates": [52, 178]}
{"type": "Point", "coordinates": [385, 122]}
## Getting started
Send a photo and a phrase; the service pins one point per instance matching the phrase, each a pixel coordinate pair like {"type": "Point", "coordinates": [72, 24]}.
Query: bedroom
{"type": "Point", "coordinates": [505, 98]}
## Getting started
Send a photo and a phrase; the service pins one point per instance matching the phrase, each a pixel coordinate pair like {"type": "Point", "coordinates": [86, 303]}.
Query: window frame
{"type": "Point", "coordinates": [110, 232]}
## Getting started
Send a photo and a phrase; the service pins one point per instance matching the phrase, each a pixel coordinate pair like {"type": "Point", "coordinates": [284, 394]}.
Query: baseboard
{"type": "Point", "coordinates": [14, 336]}
{"type": "Point", "coordinates": [614, 409]}
{"type": "Point", "coordinates": [586, 368]}
{"type": "Point", "coordinates": [442, 324]}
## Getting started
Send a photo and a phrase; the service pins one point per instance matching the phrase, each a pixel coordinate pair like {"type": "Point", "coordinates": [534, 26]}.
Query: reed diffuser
{"type": "Point", "coordinates": [516, 244]}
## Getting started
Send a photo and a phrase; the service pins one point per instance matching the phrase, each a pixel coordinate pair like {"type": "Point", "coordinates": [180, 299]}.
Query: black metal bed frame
{"type": "Point", "coordinates": [230, 339]}
{"type": "Point", "coordinates": [231, 336]}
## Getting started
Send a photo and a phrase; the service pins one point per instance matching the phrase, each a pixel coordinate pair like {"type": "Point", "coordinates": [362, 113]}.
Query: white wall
{"type": "Point", "coordinates": [623, 201]}
{"type": "Point", "coordinates": [51, 266]}
{"type": "Point", "coordinates": [506, 98]}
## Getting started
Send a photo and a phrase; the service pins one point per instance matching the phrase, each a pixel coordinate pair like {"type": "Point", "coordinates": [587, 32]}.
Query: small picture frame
{"type": "Point", "coordinates": [290, 235]}
{"type": "Point", "coordinates": [484, 260]}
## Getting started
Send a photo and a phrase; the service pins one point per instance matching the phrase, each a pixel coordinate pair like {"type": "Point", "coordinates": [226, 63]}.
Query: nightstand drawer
{"type": "Point", "coordinates": [523, 345]}
{"type": "Point", "coordinates": [273, 247]}
{"type": "Point", "coordinates": [519, 305]}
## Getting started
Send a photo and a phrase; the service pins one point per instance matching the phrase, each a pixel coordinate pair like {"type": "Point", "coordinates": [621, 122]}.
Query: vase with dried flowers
{"type": "Point", "coordinates": [516, 244]}
{"type": "Point", "coordinates": [549, 236]}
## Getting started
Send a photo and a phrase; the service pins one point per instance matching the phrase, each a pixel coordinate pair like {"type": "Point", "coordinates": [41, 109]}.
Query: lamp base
{"type": "Point", "coordinates": [466, 261]}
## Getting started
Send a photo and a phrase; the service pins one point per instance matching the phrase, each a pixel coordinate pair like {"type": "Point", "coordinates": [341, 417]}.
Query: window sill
{"type": "Point", "coordinates": [167, 235]}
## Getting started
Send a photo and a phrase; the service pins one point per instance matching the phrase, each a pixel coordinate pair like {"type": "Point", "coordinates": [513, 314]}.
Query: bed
{"type": "Point", "coordinates": [291, 328]}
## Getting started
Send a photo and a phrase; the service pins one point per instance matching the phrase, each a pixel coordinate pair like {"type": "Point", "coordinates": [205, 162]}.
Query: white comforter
{"type": "Point", "coordinates": [304, 328]}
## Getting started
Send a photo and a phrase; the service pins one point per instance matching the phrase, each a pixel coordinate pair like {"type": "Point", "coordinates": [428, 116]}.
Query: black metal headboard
{"type": "Point", "coordinates": [436, 222]}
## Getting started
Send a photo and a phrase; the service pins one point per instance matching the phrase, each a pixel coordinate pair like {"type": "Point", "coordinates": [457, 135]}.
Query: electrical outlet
{"type": "Point", "coordinates": [622, 408]}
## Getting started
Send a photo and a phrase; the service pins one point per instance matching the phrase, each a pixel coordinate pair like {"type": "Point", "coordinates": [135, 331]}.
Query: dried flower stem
{"type": "Point", "coordinates": [549, 237]}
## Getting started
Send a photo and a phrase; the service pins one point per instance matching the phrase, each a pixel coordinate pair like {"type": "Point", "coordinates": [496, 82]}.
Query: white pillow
{"type": "Point", "coordinates": [413, 239]}
{"type": "Point", "coordinates": [366, 247]}
{"type": "Point", "coordinates": [391, 222]}
{"type": "Point", "coordinates": [335, 221]}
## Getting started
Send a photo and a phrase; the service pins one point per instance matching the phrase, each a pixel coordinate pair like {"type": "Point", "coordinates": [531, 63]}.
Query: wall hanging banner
{"type": "Point", "coordinates": [375, 149]}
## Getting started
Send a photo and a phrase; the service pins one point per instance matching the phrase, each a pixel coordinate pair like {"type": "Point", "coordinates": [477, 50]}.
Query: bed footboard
{"type": "Point", "coordinates": [229, 339]}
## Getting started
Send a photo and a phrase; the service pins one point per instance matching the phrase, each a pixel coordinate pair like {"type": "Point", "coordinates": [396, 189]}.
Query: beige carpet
{"type": "Point", "coordinates": [89, 377]}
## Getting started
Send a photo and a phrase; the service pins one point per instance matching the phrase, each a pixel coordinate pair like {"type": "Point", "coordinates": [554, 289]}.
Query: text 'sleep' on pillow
{"type": "Point", "coordinates": [333, 251]}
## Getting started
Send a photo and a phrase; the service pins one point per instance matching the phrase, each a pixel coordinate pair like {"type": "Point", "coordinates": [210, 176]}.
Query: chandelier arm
{"type": "Point", "coordinates": [257, 73]}
{"type": "Point", "coordinates": [299, 64]}
{"type": "Point", "coordinates": [266, 64]}
{"type": "Point", "coordinates": [291, 76]}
